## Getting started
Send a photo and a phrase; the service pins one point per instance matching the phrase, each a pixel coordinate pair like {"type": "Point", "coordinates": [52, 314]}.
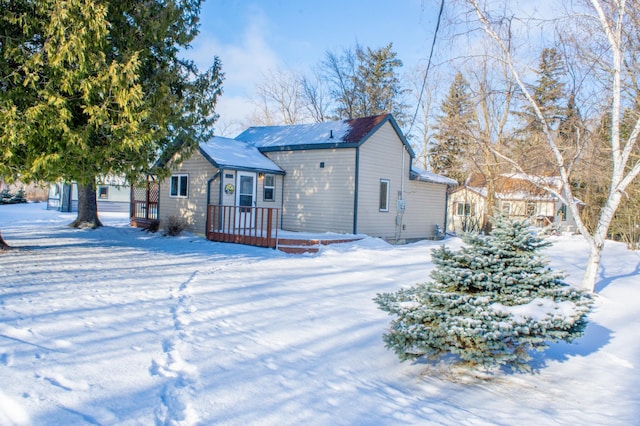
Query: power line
{"type": "Point", "coordinates": [426, 73]}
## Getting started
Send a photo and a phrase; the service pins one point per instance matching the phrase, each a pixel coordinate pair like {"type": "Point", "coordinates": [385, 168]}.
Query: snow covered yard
{"type": "Point", "coordinates": [118, 326]}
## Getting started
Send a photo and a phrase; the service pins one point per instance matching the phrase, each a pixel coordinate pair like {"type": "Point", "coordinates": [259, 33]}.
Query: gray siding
{"type": "Point", "coordinates": [317, 199]}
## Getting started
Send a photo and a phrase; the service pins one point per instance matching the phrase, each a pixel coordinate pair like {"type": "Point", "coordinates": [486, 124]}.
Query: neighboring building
{"type": "Point", "coordinates": [516, 197]}
{"type": "Point", "coordinates": [350, 177]}
{"type": "Point", "coordinates": [113, 195]}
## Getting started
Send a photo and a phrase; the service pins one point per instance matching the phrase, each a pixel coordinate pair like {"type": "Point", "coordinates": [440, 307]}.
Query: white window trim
{"type": "Point", "coordinates": [106, 193]}
{"type": "Point", "coordinates": [465, 212]}
{"type": "Point", "coordinates": [178, 189]}
{"type": "Point", "coordinates": [388, 182]}
{"type": "Point", "coordinates": [273, 187]}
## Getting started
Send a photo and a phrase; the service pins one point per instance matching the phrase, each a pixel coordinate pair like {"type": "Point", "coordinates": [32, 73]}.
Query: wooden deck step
{"type": "Point", "coordinates": [298, 249]}
{"type": "Point", "coordinates": [301, 246]}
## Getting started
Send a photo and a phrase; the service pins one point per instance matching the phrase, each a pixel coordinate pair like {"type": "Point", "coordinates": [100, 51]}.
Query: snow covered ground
{"type": "Point", "coordinates": [118, 326]}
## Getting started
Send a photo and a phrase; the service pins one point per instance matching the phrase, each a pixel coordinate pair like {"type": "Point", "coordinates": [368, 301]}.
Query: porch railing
{"type": "Point", "coordinates": [144, 204]}
{"type": "Point", "coordinates": [256, 226]}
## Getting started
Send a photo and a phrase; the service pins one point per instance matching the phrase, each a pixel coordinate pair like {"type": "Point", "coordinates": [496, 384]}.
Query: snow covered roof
{"type": "Point", "coordinates": [226, 153]}
{"type": "Point", "coordinates": [518, 195]}
{"type": "Point", "coordinates": [330, 134]}
{"type": "Point", "coordinates": [426, 176]}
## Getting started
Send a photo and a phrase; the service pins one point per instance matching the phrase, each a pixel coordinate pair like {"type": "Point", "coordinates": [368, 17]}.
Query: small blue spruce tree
{"type": "Point", "coordinates": [490, 303]}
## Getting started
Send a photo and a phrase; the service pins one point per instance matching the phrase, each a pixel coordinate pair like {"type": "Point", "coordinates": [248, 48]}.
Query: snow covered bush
{"type": "Point", "coordinates": [489, 304]}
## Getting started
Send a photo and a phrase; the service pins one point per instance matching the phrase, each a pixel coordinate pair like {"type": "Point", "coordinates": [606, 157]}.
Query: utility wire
{"type": "Point", "coordinates": [426, 73]}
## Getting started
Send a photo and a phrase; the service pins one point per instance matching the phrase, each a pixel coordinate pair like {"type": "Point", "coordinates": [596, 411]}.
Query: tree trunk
{"type": "Point", "coordinates": [3, 244]}
{"type": "Point", "coordinates": [593, 264]}
{"type": "Point", "coordinates": [87, 208]}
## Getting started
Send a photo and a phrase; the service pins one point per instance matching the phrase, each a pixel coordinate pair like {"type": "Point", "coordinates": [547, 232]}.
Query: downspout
{"type": "Point", "coordinates": [221, 171]}
{"type": "Point", "coordinates": [446, 211]}
{"type": "Point", "coordinates": [208, 219]}
{"type": "Point", "coordinates": [282, 205]}
{"type": "Point", "coordinates": [399, 209]}
{"type": "Point", "coordinates": [404, 149]}
{"type": "Point", "coordinates": [214, 177]}
{"type": "Point", "coordinates": [355, 192]}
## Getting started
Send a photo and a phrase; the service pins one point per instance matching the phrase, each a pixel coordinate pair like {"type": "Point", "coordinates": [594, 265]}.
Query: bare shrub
{"type": "Point", "coordinates": [174, 226]}
{"type": "Point", "coordinates": [153, 226]}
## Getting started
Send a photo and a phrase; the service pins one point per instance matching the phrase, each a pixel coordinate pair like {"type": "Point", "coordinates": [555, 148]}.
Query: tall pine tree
{"type": "Point", "coordinates": [557, 108]}
{"type": "Point", "coordinates": [453, 138]}
{"type": "Point", "coordinates": [365, 82]}
{"type": "Point", "coordinates": [91, 88]}
{"type": "Point", "coordinates": [490, 303]}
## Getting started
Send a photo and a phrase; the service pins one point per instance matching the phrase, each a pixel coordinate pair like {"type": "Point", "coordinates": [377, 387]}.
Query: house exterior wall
{"type": "Point", "coordinates": [563, 218]}
{"type": "Point", "coordinates": [316, 198]}
{"type": "Point", "coordinates": [426, 205]}
{"type": "Point", "coordinates": [381, 157]}
{"type": "Point", "coordinates": [117, 200]}
{"type": "Point", "coordinates": [545, 212]}
{"type": "Point", "coordinates": [193, 207]}
{"type": "Point", "coordinates": [457, 222]}
{"type": "Point", "coordinates": [277, 202]}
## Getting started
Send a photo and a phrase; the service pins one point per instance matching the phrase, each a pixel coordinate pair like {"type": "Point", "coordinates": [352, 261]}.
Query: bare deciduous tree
{"type": "Point", "coordinates": [610, 24]}
{"type": "Point", "coordinates": [279, 99]}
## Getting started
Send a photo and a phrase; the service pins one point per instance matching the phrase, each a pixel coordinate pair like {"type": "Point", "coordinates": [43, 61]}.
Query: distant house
{"type": "Point", "coordinates": [350, 177]}
{"type": "Point", "coordinates": [112, 193]}
{"type": "Point", "coordinates": [516, 197]}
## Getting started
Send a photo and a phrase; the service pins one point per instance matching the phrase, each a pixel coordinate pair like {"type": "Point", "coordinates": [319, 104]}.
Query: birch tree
{"type": "Point", "coordinates": [611, 23]}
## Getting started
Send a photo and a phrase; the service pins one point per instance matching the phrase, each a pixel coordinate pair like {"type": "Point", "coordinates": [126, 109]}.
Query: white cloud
{"type": "Point", "coordinates": [243, 64]}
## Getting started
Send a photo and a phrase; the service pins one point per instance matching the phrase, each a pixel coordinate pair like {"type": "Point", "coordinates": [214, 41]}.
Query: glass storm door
{"type": "Point", "coordinates": [245, 200]}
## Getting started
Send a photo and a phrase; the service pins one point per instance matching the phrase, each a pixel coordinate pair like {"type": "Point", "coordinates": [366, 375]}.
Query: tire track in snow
{"type": "Point", "coordinates": [181, 377]}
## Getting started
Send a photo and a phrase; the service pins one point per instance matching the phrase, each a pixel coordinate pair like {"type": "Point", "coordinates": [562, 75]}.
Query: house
{"type": "Point", "coordinates": [112, 193]}
{"type": "Point", "coordinates": [516, 197]}
{"type": "Point", "coordinates": [349, 177]}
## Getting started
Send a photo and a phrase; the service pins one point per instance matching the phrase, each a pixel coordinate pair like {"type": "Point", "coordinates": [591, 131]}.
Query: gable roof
{"type": "Point", "coordinates": [330, 134]}
{"type": "Point", "coordinates": [225, 153]}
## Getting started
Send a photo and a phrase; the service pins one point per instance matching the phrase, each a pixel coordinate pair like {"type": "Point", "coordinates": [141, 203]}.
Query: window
{"type": "Point", "coordinates": [562, 212]}
{"type": "Point", "coordinates": [103, 192]}
{"type": "Point", "coordinates": [179, 186]}
{"type": "Point", "coordinates": [269, 190]}
{"type": "Point", "coordinates": [384, 195]}
{"type": "Point", "coordinates": [506, 208]}
{"type": "Point", "coordinates": [463, 209]}
{"type": "Point", "coordinates": [531, 209]}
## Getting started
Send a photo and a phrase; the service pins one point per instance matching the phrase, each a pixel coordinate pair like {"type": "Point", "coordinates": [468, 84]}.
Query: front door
{"type": "Point", "coordinates": [245, 199]}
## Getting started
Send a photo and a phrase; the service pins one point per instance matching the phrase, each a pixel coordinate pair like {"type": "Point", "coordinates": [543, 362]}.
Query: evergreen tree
{"type": "Point", "coordinates": [548, 92]}
{"type": "Point", "coordinates": [379, 86]}
{"type": "Point", "coordinates": [558, 109]}
{"type": "Point", "coordinates": [453, 136]}
{"type": "Point", "coordinates": [91, 88]}
{"type": "Point", "coordinates": [490, 303]}
{"type": "Point", "coordinates": [365, 82]}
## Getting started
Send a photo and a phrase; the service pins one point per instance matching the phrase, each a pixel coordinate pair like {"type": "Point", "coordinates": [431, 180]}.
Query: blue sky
{"type": "Point", "coordinates": [253, 37]}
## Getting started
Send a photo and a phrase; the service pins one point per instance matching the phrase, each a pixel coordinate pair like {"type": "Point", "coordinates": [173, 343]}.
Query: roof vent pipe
{"type": "Point", "coordinates": [330, 134]}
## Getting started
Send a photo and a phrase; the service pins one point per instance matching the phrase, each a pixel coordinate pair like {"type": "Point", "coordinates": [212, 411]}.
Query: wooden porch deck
{"type": "Point", "coordinates": [258, 226]}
